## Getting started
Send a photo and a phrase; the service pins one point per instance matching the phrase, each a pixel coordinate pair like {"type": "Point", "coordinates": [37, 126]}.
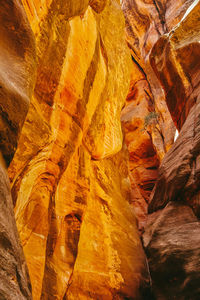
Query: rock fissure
{"type": "Point", "coordinates": [99, 185]}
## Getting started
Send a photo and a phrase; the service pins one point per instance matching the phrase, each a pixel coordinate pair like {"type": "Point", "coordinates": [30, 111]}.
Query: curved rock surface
{"type": "Point", "coordinates": [149, 130]}
{"type": "Point", "coordinates": [17, 71]}
{"type": "Point", "coordinates": [172, 241]}
{"type": "Point", "coordinates": [17, 74]}
{"type": "Point", "coordinates": [179, 171]}
{"type": "Point", "coordinates": [171, 235]}
{"type": "Point", "coordinates": [75, 197]}
{"type": "Point", "coordinates": [69, 176]}
{"type": "Point", "coordinates": [176, 59]}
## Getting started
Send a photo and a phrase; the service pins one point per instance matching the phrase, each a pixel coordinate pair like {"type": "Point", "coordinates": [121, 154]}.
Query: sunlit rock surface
{"type": "Point", "coordinates": [74, 194]}
{"type": "Point", "coordinates": [17, 74]}
{"type": "Point", "coordinates": [141, 123]}
{"type": "Point", "coordinates": [70, 182]}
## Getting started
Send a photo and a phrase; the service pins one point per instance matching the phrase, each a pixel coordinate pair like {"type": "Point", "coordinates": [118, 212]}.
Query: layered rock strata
{"type": "Point", "coordinates": [17, 72]}
{"type": "Point", "coordinates": [141, 126]}
{"type": "Point", "coordinates": [149, 130]}
{"type": "Point", "coordinates": [172, 233]}
{"type": "Point", "coordinates": [69, 176]}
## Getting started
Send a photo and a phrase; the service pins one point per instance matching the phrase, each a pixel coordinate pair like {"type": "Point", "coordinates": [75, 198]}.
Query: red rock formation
{"type": "Point", "coordinates": [178, 175]}
{"type": "Point", "coordinates": [176, 59]}
{"type": "Point", "coordinates": [172, 233]}
{"type": "Point", "coordinates": [146, 22]}
{"type": "Point", "coordinates": [17, 67]}
{"type": "Point", "coordinates": [172, 241]}
{"type": "Point", "coordinates": [140, 123]}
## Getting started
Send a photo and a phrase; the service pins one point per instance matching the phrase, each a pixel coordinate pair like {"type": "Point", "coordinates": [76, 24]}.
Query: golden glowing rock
{"type": "Point", "coordinates": [69, 176]}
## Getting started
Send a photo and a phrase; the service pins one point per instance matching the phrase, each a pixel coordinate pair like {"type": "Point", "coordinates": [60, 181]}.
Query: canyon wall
{"type": "Point", "coordinates": [149, 130]}
{"type": "Point", "coordinates": [148, 126]}
{"type": "Point", "coordinates": [163, 37]}
{"type": "Point", "coordinates": [81, 190]}
{"type": "Point", "coordinates": [69, 177]}
{"type": "Point", "coordinates": [172, 232]}
{"type": "Point", "coordinates": [17, 76]}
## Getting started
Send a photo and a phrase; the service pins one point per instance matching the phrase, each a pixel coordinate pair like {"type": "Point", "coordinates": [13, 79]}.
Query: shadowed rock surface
{"type": "Point", "coordinates": [17, 74]}
{"type": "Point", "coordinates": [172, 242]}
{"type": "Point", "coordinates": [171, 235]}
{"type": "Point", "coordinates": [149, 130]}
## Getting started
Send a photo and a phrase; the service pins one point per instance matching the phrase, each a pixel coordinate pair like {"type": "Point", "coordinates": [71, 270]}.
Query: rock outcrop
{"type": "Point", "coordinates": [141, 125]}
{"type": "Point", "coordinates": [70, 183]}
{"type": "Point", "coordinates": [76, 182]}
{"type": "Point", "coordinates": [149, 130]}
{"type": "Point", "coordinates": [172, 241]}
{"type": "Point", "coordinates": [172, 233]}
{"type": "Point", "coordinates": [17, 73]}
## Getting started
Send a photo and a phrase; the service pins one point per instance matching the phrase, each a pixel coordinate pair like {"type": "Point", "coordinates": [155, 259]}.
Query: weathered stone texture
{"type": "Point", "coordinates": [17, 67]}
{"type": "Point", "coordinates": [17, 76]}
{"type": "Point", "coordinates": [69, 175]}
{"type": "Point", "coordinates": [171, 235]}
{"type": "Point", "coordinates": [179, 171]}
{"type": "Point", "coordinates": [149, 129]}
{"type": "Point", "coordinates": [172, 241]}
{"type": "Point", "coordinates": [176, 59]}
{"type": "Point", "coordinates": [14, 283]}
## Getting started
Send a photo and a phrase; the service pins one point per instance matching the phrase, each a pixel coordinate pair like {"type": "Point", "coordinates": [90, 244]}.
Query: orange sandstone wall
{"type": "Point", "coordinates": [69, 176]}
{"type": "Point", "coordinates": [149, 130]}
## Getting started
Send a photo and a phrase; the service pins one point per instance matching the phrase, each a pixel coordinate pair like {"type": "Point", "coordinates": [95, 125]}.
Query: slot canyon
{"type": "Point", "coordinates": [99, 149]}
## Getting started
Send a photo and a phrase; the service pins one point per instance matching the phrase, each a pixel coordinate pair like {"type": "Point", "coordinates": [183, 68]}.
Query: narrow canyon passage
{"type": "Point", "coordinates": [106, 201]}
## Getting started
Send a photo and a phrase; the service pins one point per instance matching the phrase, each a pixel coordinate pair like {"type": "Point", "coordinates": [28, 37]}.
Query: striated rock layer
{"type": "Point", "coordinates": [69, 176]}
{"type": "Point", "coordinates": [149, 130]}
{"type": "Point", "coordinates": [179, 173]}
{"type": "Point", "coordinates": [172, 233]}
{"type": "Point", "coordinates": [17, 72]}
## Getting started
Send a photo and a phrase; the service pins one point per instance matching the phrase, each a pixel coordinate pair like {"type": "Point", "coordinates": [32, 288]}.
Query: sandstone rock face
{"type": "Point", "coordinates": [176, 58]}
{"type": "Point", "coordinates": [179, 171]}
{"type": "Point", "coordinates": [17, 66]}
{"type": "Point", "coordinates": [178, 177]}
{"type": "Point", "coordinates": [69, 176]}
{"type": "Point", "coordinates": [149, 129]}
{"type": "Point", "coordinates": [172, 242]}
{"type": "Point", "coordinates": [141, 124]}
{"type": "Point", "coordinates": [15, 282]}
{"type": "Point", "coordinates": [17, 72]}
{"type": "Point", "coordinates": [171, 235]}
